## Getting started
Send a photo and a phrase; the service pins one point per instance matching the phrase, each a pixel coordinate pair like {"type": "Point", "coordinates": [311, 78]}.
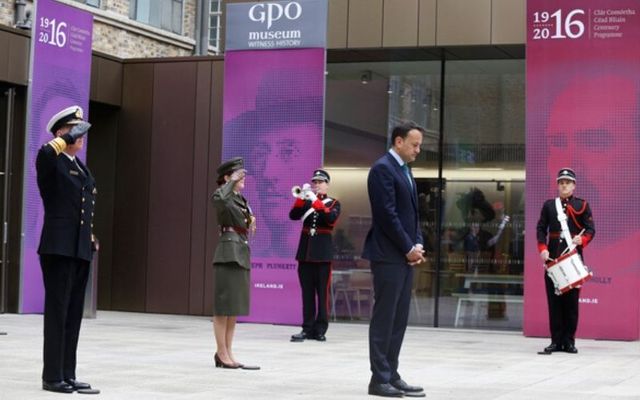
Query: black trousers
{"type": "Point", "coordinates": [65, 280]}
{"type": "Point", "coordinates": [314, 281]}
{"type": "Point", "coordinates": [392, 284]}
{"type": "Point", "coordinates": [563, 313]}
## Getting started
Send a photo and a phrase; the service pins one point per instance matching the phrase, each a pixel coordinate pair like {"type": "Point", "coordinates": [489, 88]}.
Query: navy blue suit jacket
{"type": "Point", "coordinates": [395, 227]}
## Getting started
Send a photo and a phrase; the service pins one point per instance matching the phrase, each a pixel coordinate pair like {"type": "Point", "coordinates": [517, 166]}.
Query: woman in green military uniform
{"type": "Point", "coordinates": [231, 263]}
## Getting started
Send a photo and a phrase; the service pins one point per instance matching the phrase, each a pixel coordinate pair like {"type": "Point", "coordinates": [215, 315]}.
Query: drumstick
{"type": "Point", "coordinates": [567, 249]}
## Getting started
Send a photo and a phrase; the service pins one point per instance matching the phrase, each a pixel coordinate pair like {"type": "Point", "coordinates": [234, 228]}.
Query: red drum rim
{"type": "Point", "coordinates": [559, 259]}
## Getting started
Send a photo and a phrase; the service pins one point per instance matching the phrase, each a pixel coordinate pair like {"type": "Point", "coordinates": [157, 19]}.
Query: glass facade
{"type": "Point", "coordinates": [471, 192]}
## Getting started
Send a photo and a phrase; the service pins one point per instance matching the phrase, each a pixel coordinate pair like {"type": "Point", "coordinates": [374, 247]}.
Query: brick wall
{"type": "Point", "coordinates": [111, 38]}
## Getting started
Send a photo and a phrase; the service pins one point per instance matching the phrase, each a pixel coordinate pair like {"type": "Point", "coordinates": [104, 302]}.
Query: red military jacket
{"type": "Point", "coordinates": [315, 239]}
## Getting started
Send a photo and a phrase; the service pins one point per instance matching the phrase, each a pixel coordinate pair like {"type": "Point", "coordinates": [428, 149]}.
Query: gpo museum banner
{"type": "Point", "coordinates": [274, 86]}
{"type": "Point", "coordinates": [583, 112]}
{"type": "Point", "coordinates": [60, 73]}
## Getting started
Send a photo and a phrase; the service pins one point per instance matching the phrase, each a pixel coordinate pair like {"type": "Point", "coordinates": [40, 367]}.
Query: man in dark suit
{"type": "Point", "coordinates": [66, 246]}
{"type": "Point", "coordinates": [319, 214]}
{"type": "Point", "coordinates": [393, 246]}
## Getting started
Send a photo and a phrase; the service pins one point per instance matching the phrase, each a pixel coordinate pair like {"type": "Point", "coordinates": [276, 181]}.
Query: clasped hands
{"type": "Point", "coordinates": [416, 255]}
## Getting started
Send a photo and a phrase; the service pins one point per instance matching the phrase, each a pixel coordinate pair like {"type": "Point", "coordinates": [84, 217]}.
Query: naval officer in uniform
{"type": "Point", "coordinates": [66, 246]}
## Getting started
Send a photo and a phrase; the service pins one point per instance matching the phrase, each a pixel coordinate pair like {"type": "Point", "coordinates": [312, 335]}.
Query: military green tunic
{"type": "Point", "coordinates": [231, 263]}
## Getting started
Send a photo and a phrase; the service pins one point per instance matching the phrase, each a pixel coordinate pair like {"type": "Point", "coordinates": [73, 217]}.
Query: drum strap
{"type": "Point", "coordinates": [562, 218]}
{"type": "Point", "coordinates": [311, 210]}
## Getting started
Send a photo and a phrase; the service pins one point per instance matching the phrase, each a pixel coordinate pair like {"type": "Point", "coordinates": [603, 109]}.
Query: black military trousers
{"type": "Point", "coordinates": [563, 313]}
{"type": "Point", "coordinates": [392, 284]}
{"type": "Point", "coordinates": [314, 282]}
{"type": "Point", "coordinates": [65, 280]}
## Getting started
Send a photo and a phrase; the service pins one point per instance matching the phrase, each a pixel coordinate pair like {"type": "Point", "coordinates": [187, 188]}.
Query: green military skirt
{"type": "Point", "coordinates": [230, 289]}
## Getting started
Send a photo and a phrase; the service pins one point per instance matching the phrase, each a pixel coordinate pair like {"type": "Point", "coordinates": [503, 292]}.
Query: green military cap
{"type": "Point", "coordinates": [229, 166]}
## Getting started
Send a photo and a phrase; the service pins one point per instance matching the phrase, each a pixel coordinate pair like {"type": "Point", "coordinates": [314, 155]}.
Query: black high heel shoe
{"type": "Point", "coordinates": [220, 364]}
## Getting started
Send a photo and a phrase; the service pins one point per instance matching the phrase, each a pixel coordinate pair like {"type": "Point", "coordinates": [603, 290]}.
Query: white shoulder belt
{"type": "Point", "coordinates": [562, 218]}
{"type": "Point", "coordinates": [311, 209]}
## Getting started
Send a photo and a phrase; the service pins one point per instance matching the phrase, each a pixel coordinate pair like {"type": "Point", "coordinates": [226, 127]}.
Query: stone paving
{"type": "Point", "coordinates": [154, 356]}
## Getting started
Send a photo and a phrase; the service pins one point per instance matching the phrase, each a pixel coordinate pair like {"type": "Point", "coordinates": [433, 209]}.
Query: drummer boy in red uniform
{"type": "Point", "coordinates": [563, 309]}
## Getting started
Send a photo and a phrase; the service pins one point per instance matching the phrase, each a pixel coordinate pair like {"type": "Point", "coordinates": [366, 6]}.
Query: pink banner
{"type": "Point", "coordinates": [273, 118]}
{"type": "Point", "coordinates": [583, 112]}
{"type": "Point", "coordinates": [60, 77]}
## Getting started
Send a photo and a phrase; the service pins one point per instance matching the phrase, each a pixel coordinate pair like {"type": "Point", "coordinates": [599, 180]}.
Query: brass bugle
{"type": "Point", "coordinates": [296, 191]}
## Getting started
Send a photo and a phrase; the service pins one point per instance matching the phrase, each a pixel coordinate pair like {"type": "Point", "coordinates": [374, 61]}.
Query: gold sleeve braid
{"type": "Point", "coordinates": [58, 145]}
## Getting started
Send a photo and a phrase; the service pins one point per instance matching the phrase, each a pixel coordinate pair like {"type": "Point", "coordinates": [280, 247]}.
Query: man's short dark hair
{"type": "Point", "coordinates": [403, 130]}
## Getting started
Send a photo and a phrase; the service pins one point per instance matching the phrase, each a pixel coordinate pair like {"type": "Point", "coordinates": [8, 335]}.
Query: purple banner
{"type": "Point", "coordinates": [60, 77]}
{"type": "Point", "coordinates": [273, 117]}
{"type": "Point", "coordinates": [583, 112]}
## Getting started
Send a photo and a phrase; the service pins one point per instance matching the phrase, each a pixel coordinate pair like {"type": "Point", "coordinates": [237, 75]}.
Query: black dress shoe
{"type": "Point", "coordinates": [60, 387]}
{"type": "Point", "coordinates": [321, 338]}
{"type": "Point", "coordinates": [384, 390]}
{"type": "Point", "coordinates": [405, 387]}
{"type": "Point", "coordinates": [77, 385]}
{"type": "Point", "coordinates": [553, 347]}
{"type": "Point", "coordinates": [300, 337]}
{"type": "Point", "coordinates": [570, 348]}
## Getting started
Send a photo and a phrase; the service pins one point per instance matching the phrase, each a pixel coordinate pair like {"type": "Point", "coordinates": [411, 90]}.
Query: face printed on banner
{"type": "Point", "coordinates": [593, 129]}
{"type": "Point", "coordinates": [278, 157]}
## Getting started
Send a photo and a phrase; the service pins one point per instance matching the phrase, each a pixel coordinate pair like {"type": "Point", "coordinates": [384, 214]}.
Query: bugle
{"type": "Point", "coordinates": [296, 191]}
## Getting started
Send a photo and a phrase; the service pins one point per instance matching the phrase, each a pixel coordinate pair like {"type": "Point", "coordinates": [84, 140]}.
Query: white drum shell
{"type": "Point", "coordinates": [568, 272]}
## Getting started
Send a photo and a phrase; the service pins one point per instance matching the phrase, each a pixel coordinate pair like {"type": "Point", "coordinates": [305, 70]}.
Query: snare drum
{"type": "Point", "coordinates": [568, 272]}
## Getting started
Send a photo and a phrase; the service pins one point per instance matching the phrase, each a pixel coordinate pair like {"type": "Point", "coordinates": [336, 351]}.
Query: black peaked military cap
{"type": "Point", "coordinates": [69, 116]}
{"type": "Point", "coordinates": [228, 167]}
{"type": "Point", "coordinates": [566, 173]}
{"type": "Point", "coordinates": [320, 175]}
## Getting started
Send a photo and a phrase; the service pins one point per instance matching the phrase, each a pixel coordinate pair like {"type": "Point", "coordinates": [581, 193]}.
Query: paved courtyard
{"type": "Point", "coordinates": [153, 356]}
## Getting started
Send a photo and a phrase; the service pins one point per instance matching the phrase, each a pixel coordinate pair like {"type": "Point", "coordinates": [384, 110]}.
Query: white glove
{"type": "Point", "coordinates": [309, 195]}
{"type": "Point", "coordinates": [504, 221]}
{"type": "Point", "coordinates": [238, 175]}
{"type": "Point", "coordinates": [544, 255]}
{"type": "Point", "coordinates": [305, 187]}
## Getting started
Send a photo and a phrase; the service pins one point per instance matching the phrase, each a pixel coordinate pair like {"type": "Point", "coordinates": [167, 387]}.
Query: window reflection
{"type": "Point", "coordinates": [479, 284]}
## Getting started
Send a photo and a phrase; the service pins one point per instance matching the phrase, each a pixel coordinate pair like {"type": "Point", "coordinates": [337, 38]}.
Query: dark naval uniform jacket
{"type": "Point", "coordinates": [234, 217]}
{"type": "Point", "coordinates": [315, 239]}
{"type": "Point", "coordinates": [68, 193]}
{"type": "Point", "coordinates": [578, 218]}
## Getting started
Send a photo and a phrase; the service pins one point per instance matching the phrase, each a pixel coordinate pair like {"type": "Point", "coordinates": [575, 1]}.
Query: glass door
{"type": "Point", "coordinates": [482, 254]}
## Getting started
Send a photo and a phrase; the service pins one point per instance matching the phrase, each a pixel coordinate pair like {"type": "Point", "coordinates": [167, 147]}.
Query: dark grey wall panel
{"type": "Point", "coordinates": [200, 192]}
{"type": "Point", "coordinates": [131, 211]}
{"type": "Point", "coordinates": [171, 187]}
